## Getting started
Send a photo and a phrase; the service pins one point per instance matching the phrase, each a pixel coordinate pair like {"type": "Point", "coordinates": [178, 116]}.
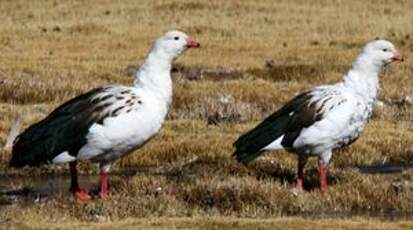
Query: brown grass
{"type": "Point", "coordinates": [254, 57]}
{"type": "Point", "coordinates": [225, 224]}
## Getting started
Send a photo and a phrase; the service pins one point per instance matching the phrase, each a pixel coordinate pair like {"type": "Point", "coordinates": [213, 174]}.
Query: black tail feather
{"type": "Point", "coordinates": [249, 146]}
{"type": "Point", "coordinates": [287, 121]}
{"type": "Point", "coordinates": [27, 151]}
{"type": "Point", "coordinates": [20, 160]}
{"type": "Point", "coordinates": [64, 129]}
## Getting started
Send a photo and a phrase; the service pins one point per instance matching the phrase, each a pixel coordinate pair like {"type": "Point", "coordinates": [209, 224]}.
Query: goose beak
{"type": "Point", "coordinates": [192, 43]}
{"type": "Point", "coordinates": [397, 56]}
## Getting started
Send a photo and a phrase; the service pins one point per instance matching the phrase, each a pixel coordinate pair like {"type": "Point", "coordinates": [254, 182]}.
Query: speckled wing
{"type": "Point", "coordinates": [301, 112]}
{"type": "Point", "coordinates": [343, 119]}
{"type": "Point", "coordinates": [319, 104]}
{"type": "Point", "coordinates": [65, 129]}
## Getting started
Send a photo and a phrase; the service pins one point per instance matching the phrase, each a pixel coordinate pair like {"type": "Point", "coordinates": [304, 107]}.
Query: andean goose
{"type": "Point", "coordinates": [108, 122]}
{"type": "Point", "coordinates": [324, 118]}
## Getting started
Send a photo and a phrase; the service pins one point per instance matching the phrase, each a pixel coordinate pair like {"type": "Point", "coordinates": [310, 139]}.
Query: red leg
{"type": "Point", "coordinates": [78, 193]}
{"type": "Point", "coordinates": [302, 160]}
{"type": "Point", "coordinates": [104, 185]}
{"type": "Point", "coordinates": [322, 170]}
{"type": "Point", "coordinates": [104, 181]}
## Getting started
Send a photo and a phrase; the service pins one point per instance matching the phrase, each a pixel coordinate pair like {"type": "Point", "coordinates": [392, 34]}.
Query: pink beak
{"type": "Point", "coordinates": [397, 56]}
{"type": "Point", "coordinates": [192, 43]}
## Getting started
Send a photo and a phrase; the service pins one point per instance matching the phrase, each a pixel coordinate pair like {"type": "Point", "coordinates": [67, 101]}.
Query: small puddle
{"type": "Point", "coordinates": [384, 168]}
{"type": "Point", "coordinates": [28, 189]}
{"type": "Point", "coordinates": [17, 189]}
{"type": "Point", "coordinates": [390, 215]}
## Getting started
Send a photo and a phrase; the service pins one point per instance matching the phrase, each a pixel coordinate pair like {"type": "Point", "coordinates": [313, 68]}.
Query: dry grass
{"type": "Point", "coordinates": [225, 224]}
{"type": "Point", "coordinates": [254, 57]}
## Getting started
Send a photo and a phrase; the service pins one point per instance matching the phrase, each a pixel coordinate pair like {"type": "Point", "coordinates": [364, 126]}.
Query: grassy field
{"type": "Point", "coordinates": [254, 56]}
{"type": "Point", "coordinates": [226, 223]}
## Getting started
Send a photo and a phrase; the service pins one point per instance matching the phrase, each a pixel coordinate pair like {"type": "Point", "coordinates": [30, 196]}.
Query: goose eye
{"type": "Point", "coordinates": [385, 50]}
{"type": "Point", "coordinates": [176, 38]}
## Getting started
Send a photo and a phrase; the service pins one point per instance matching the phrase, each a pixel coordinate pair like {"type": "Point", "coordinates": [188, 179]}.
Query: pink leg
{"type": "Point", "coordinates": [79, 193]}
{"type": "Point", "coordinates": [104, 182]}
{"type": "Point", "coordinates": [322, 170]}
{"type": "Point", "coordinates": [300, 173]}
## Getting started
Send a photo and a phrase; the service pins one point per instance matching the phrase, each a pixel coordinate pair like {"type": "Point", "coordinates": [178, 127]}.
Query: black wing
{"type": "Point", "coordinates": [297, 114]}
{"type": "Point", "coordinates": [64, 129]}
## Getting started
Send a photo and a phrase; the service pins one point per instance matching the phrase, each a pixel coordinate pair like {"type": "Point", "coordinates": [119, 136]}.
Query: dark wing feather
{"type": "Point", "coordinates": [62, 130]}
{"type": "Point", "coordinates": [288, 121]}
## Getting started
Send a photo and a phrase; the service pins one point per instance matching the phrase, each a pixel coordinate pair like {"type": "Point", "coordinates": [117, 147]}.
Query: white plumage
{"type": "Point", "coordinates": [344, 116]}
{"type": "Point", "coordinates": [106, 123]}
{"type": "Point", "coordinates": [119, 135]}
{"type": "Point", "coordinates": [324, 118]}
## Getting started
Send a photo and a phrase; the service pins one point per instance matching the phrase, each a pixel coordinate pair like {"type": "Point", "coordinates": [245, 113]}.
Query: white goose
{"type": "Point", "coordinates": [324, 118]}
{"type": "Point", "coordinates": [105, 123]}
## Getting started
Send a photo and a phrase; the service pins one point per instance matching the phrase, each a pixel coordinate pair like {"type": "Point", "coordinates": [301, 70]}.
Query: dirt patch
{"type": "Point", "coordinates": [271, 71]}
{"type": "Point", "coordinates": [295, 71]}
{"type": "Point", "coordinates": [289, 72]}
{"type": "Point", "coordinates": [189, 6]}
{"type": "Point", "coordinates": [203, 73]}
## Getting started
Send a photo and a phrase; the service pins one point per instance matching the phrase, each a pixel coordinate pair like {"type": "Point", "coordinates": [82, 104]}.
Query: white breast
{"type": "Point", "coordinates": [128, 131]}
{"type": "Point", "coordinates": [340, 125]}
